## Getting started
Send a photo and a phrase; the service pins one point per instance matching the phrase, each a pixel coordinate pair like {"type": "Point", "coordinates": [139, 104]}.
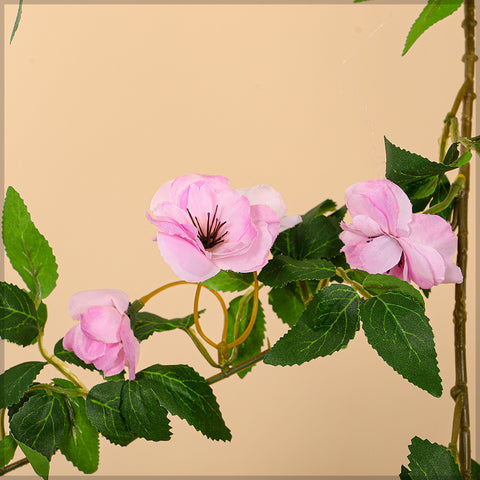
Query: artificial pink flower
{"type": "Point", "coordinates": [206, 226]}
{"type": "Point", "coordinates": [103, 336]}
{"type": "Point", "coordinates": [386, 237]}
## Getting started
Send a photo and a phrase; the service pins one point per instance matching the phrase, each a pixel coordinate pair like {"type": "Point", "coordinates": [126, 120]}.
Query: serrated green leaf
{"type": "Point", "coordinates": [18, 317]}
{"type": "Point", "coordinates": [287, 303]}
{"type": "Point", "coordinates": [142, 409]}
{"type": "Point", "coordinates": [39, 463]}
{"type": "Point", "coordinates": [40, 423]}
{"type": "Point", "coordinates": [7, 450]}
{"type": "Point", "coordinates": [15, 381]}
{"type": "Point", "coordinates": [28, 250]}
{"type": "Point", "coordinates": [70, 357]}
{"type": "Point", "coordinates": [103, 410]}
{"type": "Point", "coordinates": [185, 393]}
{"type": "Point", "coordinates": [397, 328]}
{"type": "Point", "coordinates": [80, 444]}
{"type": "Point", "coordinates": [149, 323]}
{"type": "Point", "coordinates": [379, 283]}
{"type": "Point", "coordinates": [405, 473]}
{"type": "Point", "coordinates": [475, 473]}
{"type": "Point", "coordinates": [327, 325]}
{"type": "Point", "coordinates": [282, 269]}
{"type": "Point", "coordinates": [254, 342]}
{"type": "Point", "coordinates": [405, 167]}
{"type": "Point", "coordinates": [431, 461]}
{"type": "Point", "coordinates": [321, 209]}
{"type": "Point", "coordinates": [228, 281]}
{"type": "Point", "coordinates": [435, 11]}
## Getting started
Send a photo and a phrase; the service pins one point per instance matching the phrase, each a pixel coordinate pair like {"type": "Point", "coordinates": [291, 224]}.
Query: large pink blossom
{"type": "Point", "coordinates": [205, 226]}
{"type": "Point", "coordinates": [386, 237]}
{"type": "Point", "coordinates": [103, 336]}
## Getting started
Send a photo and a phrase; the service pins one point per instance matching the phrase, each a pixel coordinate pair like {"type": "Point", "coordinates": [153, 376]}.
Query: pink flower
{"type": "Point", "coordinates": [385, 237]}
{"type": "Point", "coordinates": [103, 336]}
{"type": "Point", "coordinates": [206, 226]}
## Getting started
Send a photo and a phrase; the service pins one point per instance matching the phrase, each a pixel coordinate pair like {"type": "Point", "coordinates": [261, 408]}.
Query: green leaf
{"type": "Point", "coordinates": [142, 409]}
{"type": "Point", "coordinates": [17, 20]}
{"type": "Point", "coordinates": [405, 473]}
{"type": "Point", "coordinates": [15, 381]}
{"type": "Point", "coordinates": [287, 303]}
{"type": "Point", "coordinates": [18, 317]}
{"type": "Point", "coordinates": [39, 462]}
{"type": "Point", "coordinates": [7, 450]}
{"type": "Point", "coordinates": [103, 410]}
{"type": "Point", "coordinates": [430, 461]}
{"type": "Point", "coordinates": [40, 423]}
{"type": "Point", "coordinates": [254, 342]}
{"type": "Point", "coordinates": [327, 325]}
{"type": "Point", "coordinates": [185, 393]}
{"type": "Point", "coordinates": [322, 208]}
{"type": "Point", "coordinates": [379, 283]}
{"type": "Point", "coordinates": [149, 323]}
{"type": "Point", "coordinates": [475, 470]}
{"type": "Point", "coordinates": [435, 11]}
{"type": "Point", "coordinates": [397, 328]}
{"type": "Point", "coordinates": [80, 444]}
{"type": "Point", "coordinates": [404, 167]}
{"type": "Point", "coordinates": [42, 314]}
{"type": "Point", "coordinates": [439, 195]}
{"type": "Point", "coordinates": [228, 281]}
{"type": "Point", "coordinates": [281, 270]}
{"type": "Point", "coordinates": [70, 357]}
{"type": "Point", "coordinates": [27, 249]}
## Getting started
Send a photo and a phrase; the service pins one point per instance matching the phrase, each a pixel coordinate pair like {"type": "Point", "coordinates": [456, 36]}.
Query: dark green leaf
{"type": "Point", "coordinates": [17, 20]}
{"type": "Point", "coordinates": [435, 11]}
{"type": "Point", "coordinates": [103, 410]}
{"type": "Point", "coordinates": [15, 381]}
{"type": "Point", "coordinates": [39, 462]}
{"type": "Point", "coordinates": [42, 315]}
{"type": "Point", "coordinates": [254, 342]}
{"type": "Point", "coordinates": [327, 325]}
{"type": "Point", "coordinates": [142, 409]}
{"type": "Point", "coordinates": [404, 167]}
{"type": "Point", "coordinates": [379, 283]}
{"type": "Point", "coordinates": [7, 450]}
{"type": "Point", "coordinates": [27, 249]}
{"type": "Point", "coordinates": [70, 357]}
{"type": "Point", "coordinates": [405, 473]}
{"type": "Point", "coordinates": [287, 303]}
{"type": "Point", "coordinates": [228, 281]}
{"type": "Point", "coordinates": [411, 189]}
{"type": "Point", "coordinates": [397, 328]}
{"type": "Point", "coordinates": [40, 423]}
{"type": "Point", "coordinates": [149, 323]}
{"type": "Point", "coordinates": [452, 154]}
{"type": "Point", "coordinates": [185, 393]}
{"type": "Point", "coordinates": [322, 208]}
{"type": "Point", "coordinates": [439, 195]}
{"type": "Point", "coordinates": [475, 470]}
{"type": "Point", "coordinates": [18, 317]}
{"type": "Point", "coordinates": [80, 444]}
{"type": "Point", "coordinates": [281, 270]}
{"type": "Point", "coordinates": [430, 461]}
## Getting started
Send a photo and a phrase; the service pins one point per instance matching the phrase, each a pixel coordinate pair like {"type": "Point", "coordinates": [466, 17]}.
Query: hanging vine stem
{"type": "Point", "coordinates": [460, 392]}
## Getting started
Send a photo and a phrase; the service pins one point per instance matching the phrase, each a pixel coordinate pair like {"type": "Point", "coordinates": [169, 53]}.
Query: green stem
{"type": "Point", "coordinates": [71, 392]}
{"type": "Point", "coordinates": [191, 333]}
{"type": "Point", "coordinates": [2, 423]}
{"type": "Point", "coordinates": [455, 188]}
{"type": "Point", "coordinates": [355, 285]}
{"type": "Point", "coordinates": [305, 291]}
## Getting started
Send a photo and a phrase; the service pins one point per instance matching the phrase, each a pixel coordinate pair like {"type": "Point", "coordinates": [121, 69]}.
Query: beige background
{"type": "Point", "coordinates": [104, 103]}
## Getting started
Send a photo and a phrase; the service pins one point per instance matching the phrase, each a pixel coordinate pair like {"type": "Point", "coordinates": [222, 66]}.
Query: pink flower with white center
{"type": "Point", "coordinates": [386, 237]}
{"type": "Point", "coordinates": [103, 336]}
{"type": "Point", "coordinates": [205, 226]}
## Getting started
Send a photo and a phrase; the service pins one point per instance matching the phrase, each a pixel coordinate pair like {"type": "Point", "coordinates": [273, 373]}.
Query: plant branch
{"type": "Point", "coordinates": [14, 466]}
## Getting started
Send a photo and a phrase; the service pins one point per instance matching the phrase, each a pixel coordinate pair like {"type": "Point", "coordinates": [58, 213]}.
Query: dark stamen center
{"type": "Point", "coordinates": [211, 236]}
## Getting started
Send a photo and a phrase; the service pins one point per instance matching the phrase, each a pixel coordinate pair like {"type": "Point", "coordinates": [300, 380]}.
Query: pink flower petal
{"type": "Point", "coordinates": [102, 324]}
{"type": "Point", "coordinates": [113, 360]}
{"type": "Point", "coordinates": [289, 222]}
{"type": "Point", "coordinates": [162, 195]}
{"type": "Point", "coordinates": [131, 347]}
{"type": "Point", "coordinates": [181, 185]}
{"type": "Point", "coordinates": [80, 302]}
{"type": "Point", "coordinates": [84, 348]}
{"type": "Point", "coordinates": [265, 195]}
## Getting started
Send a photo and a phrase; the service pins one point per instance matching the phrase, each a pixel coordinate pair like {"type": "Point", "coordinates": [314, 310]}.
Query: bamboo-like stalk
{"type": "Point", "coordinates": [460, 390]}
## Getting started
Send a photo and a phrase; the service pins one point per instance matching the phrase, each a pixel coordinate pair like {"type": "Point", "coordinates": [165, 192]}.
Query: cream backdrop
{"type": "Point", "coordinates": [104, 103]}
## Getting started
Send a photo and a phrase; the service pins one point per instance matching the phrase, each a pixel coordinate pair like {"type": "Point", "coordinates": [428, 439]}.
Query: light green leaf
{"type": "Point", "coordinates": [28, 251]}
{"type": "Point", "coordinates": [40, 423]}
{"type": "Point", "coordinates": [435, 11]}
{"type": "Point", "coordinates": [228, 281]}
{"type": "Point", "coordinates": [17, 20]}
{"type": "Point", "coordinates": [282, 269]}
{"type": "Point", "coordinates": [15, 381]}
{"type": "Point", "coordinates": [429, 461]}
{"type": "Point", "coordinates": [18, 317]}
{"type": "Point", "coordinates": [7, 450]}
{"type": "Point", "coordinates": [327, 325]}
{"type": "Point", "coordinates": [185, 393]}
{"type": "Point", "coordinates": [287, 303]}
{"type": "Point", "coordinates": [397, 328]}
{"type": "Point", "coordinates": [142, 409]}
{"type": "Point", "coordinates": [39, 462]}
{"type": "Point", "coordinates": [103, 410]}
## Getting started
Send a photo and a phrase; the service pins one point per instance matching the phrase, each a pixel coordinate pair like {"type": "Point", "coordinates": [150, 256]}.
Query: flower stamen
{"type": "Point", "coordinates": [211, 237]}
